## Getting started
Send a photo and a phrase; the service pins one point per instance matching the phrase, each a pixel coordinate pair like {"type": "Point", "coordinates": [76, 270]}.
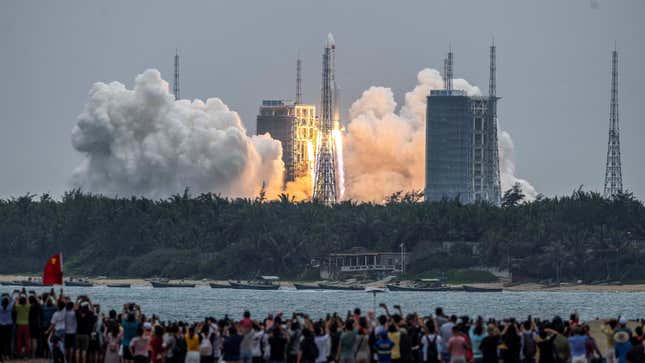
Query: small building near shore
{"type": "Point", "coordinates": [366, 263]}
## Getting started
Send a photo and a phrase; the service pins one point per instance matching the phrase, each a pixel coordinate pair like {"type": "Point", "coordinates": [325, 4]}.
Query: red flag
{"type": "Point", "coordinates": [53, 273]}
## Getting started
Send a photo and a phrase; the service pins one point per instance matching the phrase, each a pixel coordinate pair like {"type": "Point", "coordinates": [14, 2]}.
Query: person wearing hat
{"type": "Point", "coordinates": [622, 346]}
{"type": "Point", "coordinates": [608, 328]}
{"type": "Point", "coordinates": [622, 326]}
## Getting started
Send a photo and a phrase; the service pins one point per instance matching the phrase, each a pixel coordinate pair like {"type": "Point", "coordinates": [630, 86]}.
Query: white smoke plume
{"type": "Point", "coordinates": [144, 142]}
{"type": "Point", "coordinates": [507, 167]}
{"type": "Point", "coordinates": [385, 149]}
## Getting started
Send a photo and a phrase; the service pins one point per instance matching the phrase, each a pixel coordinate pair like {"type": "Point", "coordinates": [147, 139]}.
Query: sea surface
{"type": "Point", "coordinates": [202, 301]}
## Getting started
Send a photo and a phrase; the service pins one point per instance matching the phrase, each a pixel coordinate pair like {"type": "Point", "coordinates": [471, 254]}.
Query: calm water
{"type": "Point", "coordinates": [197, 303]}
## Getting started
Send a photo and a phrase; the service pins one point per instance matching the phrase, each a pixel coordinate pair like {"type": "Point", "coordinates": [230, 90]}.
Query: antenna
{"type": "Point", "coordinates": [445, 73]}
{"type": "Point", "coordinates": [613, 169]}
{"type": "Point", "coordinates": [492, 150]}
{"type": "Point", "coordinates": [299, 81]}
{"type": "Point", "coordinates": [449, 74]}
{"type": "Point", "coordinates": [175, 86]}
{"type": "Point", "coordinates": [492, 84]}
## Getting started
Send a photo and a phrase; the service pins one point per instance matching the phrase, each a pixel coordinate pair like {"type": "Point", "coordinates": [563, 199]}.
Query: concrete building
{"type": "Point", "coordinates": [295, 126]}
{"type": "Point", "coordinates": [449, 146]}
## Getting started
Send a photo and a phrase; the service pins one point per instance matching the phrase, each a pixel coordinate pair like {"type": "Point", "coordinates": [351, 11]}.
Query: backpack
{"type": "Point", "coordinates": [433, 352]}
{"type": "Point", "coordinates": [180, 349]}
{"type": "Point", "coordinates": [205, 347]}
{"type": "Point", "coordinates": [309, 350]}
{"type": "Point", "coordinates": [292, 345]}
{"type": "Point", "coordinates": [529, 348]}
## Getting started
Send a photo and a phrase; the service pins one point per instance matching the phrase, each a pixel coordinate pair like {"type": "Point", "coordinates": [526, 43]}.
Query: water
{"type": "Point", "coordinates": [199, 302]}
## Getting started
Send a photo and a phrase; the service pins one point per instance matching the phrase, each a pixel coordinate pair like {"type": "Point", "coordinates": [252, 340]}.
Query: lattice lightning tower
{"type": "Point", "coordinates": [175, 85]}
{"type": "Point", "coordinates": [299, 81]}
{"type": "Point", "coordinates": [613, 170]}
{"type": "Point", "coordinates": [492, 142]}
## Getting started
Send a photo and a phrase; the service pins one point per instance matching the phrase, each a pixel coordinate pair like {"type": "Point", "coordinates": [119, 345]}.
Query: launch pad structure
{"type": "Point", "coordinates": [462, 157]}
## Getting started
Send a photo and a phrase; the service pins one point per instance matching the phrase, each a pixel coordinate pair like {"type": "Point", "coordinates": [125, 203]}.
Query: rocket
{"type": "Point", "coordinates": [330, 102]}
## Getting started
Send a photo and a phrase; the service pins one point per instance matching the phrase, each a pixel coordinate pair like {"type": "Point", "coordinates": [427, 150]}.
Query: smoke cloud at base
{"type": "Point", "coordinates": [507, 167]}
{"type": "Point", "coordinates": [143, 142]}
{"type": "Point", "coordinates": [385, 149]}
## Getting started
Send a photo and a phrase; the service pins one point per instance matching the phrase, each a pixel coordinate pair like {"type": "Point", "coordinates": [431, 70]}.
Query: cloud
{"type": "Point", "coordinates": [144, 142]}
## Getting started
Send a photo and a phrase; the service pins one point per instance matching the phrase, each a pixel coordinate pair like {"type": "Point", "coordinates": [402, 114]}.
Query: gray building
{"type": "Point", "coordinates": [462, 159]}
{"type": "Point", "coordinates": [449, 146]}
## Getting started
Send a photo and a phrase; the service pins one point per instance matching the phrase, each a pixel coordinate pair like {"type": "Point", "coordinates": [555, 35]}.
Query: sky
{"type": "Point", "coordinates": [553, 70]}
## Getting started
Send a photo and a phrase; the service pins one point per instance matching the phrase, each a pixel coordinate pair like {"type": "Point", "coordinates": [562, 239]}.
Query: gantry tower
{"type": "Point", "coordinates": [613, 170]}
{"type": "Point", "coordinates": [325, 184]}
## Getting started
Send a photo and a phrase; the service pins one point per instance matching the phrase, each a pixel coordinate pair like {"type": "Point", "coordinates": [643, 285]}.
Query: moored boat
{"type": "Point", "coordinates": [25, 283]}
{"type": "Point", "coordinates": [214, 285]}
{"type": "Point", "coordinates": [163, 284]}
{"type": "Point", "coordinates": [260, 283]}
{"type": "Point", "coordinates": [393, 287]}
{"type": "Point", "coordinates": [118, 285]}
{"type": "Point", "coordinates": [306, 286]}
{"type": "Point", "coordinates": [340, 287]}
{"type": "Point", "coordinates": [253, 286]}
{"type": "Point", "coordinates": [468, 288]}
{"type": "Point", "coordinates": [79, 283]}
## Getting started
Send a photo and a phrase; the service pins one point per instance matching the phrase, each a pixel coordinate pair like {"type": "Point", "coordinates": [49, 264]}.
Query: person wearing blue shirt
{"type": "Point", "coordinates": [477, 334]}
{"type": "Point", "coordinates": [578, 345]}
{"type": "Point", "coordinates": [384, 348]}
{"type": "Point", "coordinates": [623, 345]}
{"type": "Point", "coordinates": [6, 324]}
{"type": "Point", "coordinates": [130, 326]}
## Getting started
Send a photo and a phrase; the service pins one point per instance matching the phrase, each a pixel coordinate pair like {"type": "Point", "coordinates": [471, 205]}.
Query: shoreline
{"type": "Point", "coordinates": [523, 287]}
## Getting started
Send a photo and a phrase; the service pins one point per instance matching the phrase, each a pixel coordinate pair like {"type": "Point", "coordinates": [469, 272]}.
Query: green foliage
{"type": "Point", "coordinates": [582, 236]}
{"type": "Point", "coordinates": [513, 196]}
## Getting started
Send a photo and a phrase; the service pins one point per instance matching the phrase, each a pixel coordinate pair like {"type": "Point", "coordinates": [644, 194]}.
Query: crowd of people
{"type": "Point", "coordinates": [67, 330]}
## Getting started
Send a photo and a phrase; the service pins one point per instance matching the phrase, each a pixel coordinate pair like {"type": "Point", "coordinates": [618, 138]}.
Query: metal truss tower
{"type": "Point", "coordinates": [175, 85]}
{"type": "Point", "coordinates": [492, 146]}
{"type": "Point", "coordinates": [448, 71]}
{"type": "Point", "coordinates": [299, 81]}
{"type": "Point", "coordinates": [613, 170]}
{"type": "Point", "coordinates": [325, 184]}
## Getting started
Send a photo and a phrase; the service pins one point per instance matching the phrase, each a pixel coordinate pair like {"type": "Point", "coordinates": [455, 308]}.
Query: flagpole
{"type": "Point", "coordinates": [62, 275]}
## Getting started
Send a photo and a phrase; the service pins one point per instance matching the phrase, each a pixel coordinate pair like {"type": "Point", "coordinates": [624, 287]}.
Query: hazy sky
{"type": "Point", "coordinates": [553, 69]}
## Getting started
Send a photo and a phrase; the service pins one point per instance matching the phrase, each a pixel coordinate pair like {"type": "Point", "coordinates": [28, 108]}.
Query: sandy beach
{"type": "Point", "coordinates": [286, 283]}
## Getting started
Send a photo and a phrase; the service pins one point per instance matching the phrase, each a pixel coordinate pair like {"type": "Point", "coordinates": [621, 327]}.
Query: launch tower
{"type": "Point", "coordinates": [325, 182]}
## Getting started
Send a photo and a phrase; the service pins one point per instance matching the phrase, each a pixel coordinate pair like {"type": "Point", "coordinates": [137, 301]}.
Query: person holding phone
{"type": "Point", "coordinates": [6, 325]}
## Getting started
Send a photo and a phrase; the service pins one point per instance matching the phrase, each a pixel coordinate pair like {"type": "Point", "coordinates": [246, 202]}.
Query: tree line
{"type": "Point", "coordinates": [582, 236]}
